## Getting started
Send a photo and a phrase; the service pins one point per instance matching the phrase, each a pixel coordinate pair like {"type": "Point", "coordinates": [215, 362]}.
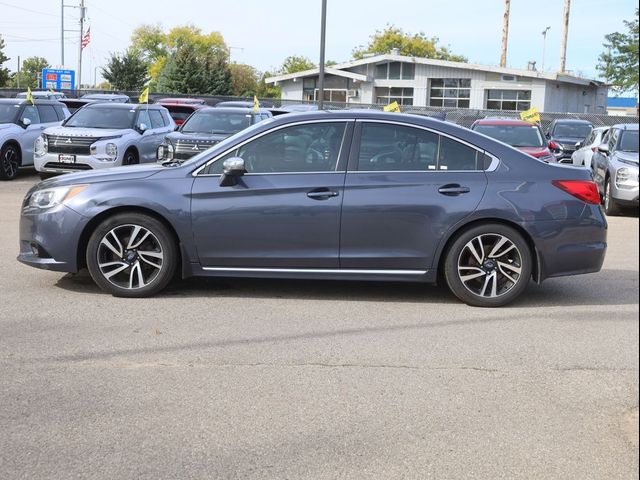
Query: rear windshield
{"type": "Point", "coordinates": [629, 141]}
{"type": "Point", "coordinates": [117, 118]}
{"type": "Point", "coordinates": [8, 112]}
{"type": "Point", "coordinates": [572, 130]}
{"type": "Point", "coordinates": [216, 122]}
{"type": "Point", "coordinates": [179, 113]}
{"type": "Point", "coordinates": [514, 135]}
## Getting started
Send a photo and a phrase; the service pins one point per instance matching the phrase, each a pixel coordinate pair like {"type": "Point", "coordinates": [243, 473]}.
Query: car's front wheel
{"type": "Point", "coordinates": [9, 162]}
{"type": "Point", "coordinates": [132, 255]}
{"type": "Point", "coordinates": [488, 265]}
{"type": "Point", "coordinates": [610, 205]}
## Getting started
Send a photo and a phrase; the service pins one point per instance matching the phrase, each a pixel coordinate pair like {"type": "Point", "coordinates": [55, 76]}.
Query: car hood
{"type": "Point", "coordinates": [627, 156]}
{"type": "Point", "coordinates": [571, 141]}
{"type": "Point", "coordinates": [133, 172]}
{"type": "Point", "coordinates": [87, 132]}
{"type": "Point", "coordinates": [535, 151]}
{"type": "Point", "coordinates": [198, 137]}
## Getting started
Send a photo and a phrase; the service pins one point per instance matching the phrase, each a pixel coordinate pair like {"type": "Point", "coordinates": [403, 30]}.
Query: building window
{"type": "Point", "coordinates": [519, 100]}
{"type": "Point", "coordinates": [332, 95]}
{"type": "Point", "coordinates": [450, 92]}
{"type": "Point", "coordinates": [395, 71]}
{"type": "Point", "coordinates": [308, 89]}
{"type": "Point", "coordinates": [386, 95]}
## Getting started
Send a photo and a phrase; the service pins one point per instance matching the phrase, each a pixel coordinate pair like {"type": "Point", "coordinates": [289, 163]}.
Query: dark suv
{"type": "Point", "coordinates": [565, 136]}
{"type": "Point", "coordinates": [522, 135]}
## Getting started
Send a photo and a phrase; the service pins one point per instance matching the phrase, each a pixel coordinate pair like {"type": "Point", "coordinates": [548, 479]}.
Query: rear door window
{"type": "Point", "coordinates": [156, 119]}
{"type": "Point", "coordinates": [47, 114]}
{"type": "Point", "coordinates": [31, 112]}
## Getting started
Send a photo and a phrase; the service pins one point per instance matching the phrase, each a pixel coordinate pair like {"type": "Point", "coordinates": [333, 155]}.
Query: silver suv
{"type": "Point", "coordinates": [103, 135]}
{"type": "Point", "coordinates": [615, 168]}
{"type": "Point", "coordinates": [21, 122]}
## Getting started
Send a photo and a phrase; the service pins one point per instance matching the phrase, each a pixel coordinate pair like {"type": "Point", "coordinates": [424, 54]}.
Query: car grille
{"type": "Point", "coordinates": [188, 148]}
{"type": "Point", "coordinates": [75, 145]}
{"type": "Point", "coordinates": [67, 166]}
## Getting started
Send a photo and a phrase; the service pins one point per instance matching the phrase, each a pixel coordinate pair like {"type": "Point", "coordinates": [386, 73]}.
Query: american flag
{"type": "Point", "coordinates": [86, 38]}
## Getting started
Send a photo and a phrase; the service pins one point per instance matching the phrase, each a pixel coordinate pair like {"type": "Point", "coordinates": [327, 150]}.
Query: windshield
{"type": "Point", "coordinates": [116, 118]}
{"type": "Point", "coordinates": [216, 122]}
{"type": "Point", "coordinates": [8, 112]}
{"type": "Point", "coordinates": [572, 130]}
{"type": "Point", "coordinates": [514, 135]}
{"type": "Point", "coordinates": [629, 141]}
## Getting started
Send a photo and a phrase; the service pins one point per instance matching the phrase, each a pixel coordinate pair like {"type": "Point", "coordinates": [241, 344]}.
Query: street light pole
{"type": "Point", "coordinates": [82, 14]}
{"type": "Point", "coordinates": [62, 34]}
{"type": "Point", "coordinates": [544, 45]}
{"type": "Point", "coordinates": [323, 27]}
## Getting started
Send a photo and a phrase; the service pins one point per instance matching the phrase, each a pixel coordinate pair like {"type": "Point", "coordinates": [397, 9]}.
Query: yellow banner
{"type": "Point", "coordinates": [532, 115]}
{"type": "Point", "coordinates": [256, 104]}
{"type": "Point", "coordinates": [144, 96]}
{"type": "Point", "coordinates": [392, 107]}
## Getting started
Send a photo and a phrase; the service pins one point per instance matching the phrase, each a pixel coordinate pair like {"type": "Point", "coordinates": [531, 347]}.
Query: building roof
{"type": "Point", "coordinates": [387, 57]}
{"type": "Point", "coordinates": [622, 102]}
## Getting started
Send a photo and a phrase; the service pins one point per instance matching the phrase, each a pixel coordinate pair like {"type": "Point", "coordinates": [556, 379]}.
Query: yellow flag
{"type": "Point", "coordinates": [392, 107]}
{"type": "Point", "coordinates": [532, 115]}
{"type": "Point", "coordinates": [29, 96]}
{"type": "Point", "coordinates": [256, 104]}
{"type": "Point", "coordinates": [144, 96]}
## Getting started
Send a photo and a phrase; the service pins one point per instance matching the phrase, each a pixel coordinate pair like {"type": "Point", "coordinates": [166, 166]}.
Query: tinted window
{"type": "Point", "coordinates": [514, 135]}
{"type": "Point", "coordinates": [31, 113]}
{"type": "Point", "coordinates": [62, 112]}
{"type": "Point", "coordinates": [8, 112]}
{"type": "Point", "coordinates": [102, 118]}
{"type": "Point", "coordinates": [629, 141]}
{"type": "Point", "coordinates": [572, 130]}
{"type": "Point", "coordinates": [455, 155]}
{"type": "Point", "coordinates": [180, 114]}
{"type": "Point", "coordinates": [47, 113]}
{"type": "Point", "coordinates": [395, 147]}
{"type": "Point", "coordinates": [156, 119]}
{"type": "Point", "coordinates": [217, 122]}
{"type": "Point", "coordinates": [143, 117]}
{"type": "Point", "coordinates": [303, 148]}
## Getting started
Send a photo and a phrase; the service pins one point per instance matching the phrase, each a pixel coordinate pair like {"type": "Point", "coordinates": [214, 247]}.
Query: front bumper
{"type": "Point", "coordinates": [49, 239]}
{"type": "Point", "coordinates": [50, 163]}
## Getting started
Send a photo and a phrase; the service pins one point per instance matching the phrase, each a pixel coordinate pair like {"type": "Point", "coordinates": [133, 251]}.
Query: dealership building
{"type": "Point", "coordinates": [425, 82]}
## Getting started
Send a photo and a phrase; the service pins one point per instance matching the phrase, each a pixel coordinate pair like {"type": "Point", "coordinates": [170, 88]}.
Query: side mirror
{"type": "Point", "coordinates": [578, 145]}
{"type": "Point", "coordinates": [548, 135]}
{"type": "Point", "coordinates": [142, 127]}
{"type": "Point", "coordinates": [603, 148]}
{"type": "Point", "coordinates": [232, 168]}
{"type": "Point", "coordinates": [26, 122]}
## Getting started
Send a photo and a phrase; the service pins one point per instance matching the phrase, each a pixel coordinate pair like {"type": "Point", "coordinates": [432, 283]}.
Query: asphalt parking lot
{"type": "Point", "coordinates": [259, 379]}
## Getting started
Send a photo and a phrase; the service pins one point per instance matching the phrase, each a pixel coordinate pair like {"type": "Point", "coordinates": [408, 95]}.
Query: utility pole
{"type": "Point", "coordinates": [544, 45]}
{"type": "Point", "coordinates": [505, 33]}
{"type": "Point", "coordinates": [323, 27]}
{"type": "Point", "coordinates": [18, 76]}
{"type": "Point", "coordinates": [83, 11]}
{"type": "Point", "coordinates": [565, 34]}
{"type": "Point", "coordinates": [61, 33]}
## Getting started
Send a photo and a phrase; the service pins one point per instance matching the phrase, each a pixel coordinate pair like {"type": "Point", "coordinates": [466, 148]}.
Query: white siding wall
{"type": "Point", "coordinates": [291, 90]}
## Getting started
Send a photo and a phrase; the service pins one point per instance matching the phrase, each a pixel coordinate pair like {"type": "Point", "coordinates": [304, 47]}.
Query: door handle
{"type": "Point", "coordinates": [453, 189]}
{"type": "Point", "coordinates": [321, 194]}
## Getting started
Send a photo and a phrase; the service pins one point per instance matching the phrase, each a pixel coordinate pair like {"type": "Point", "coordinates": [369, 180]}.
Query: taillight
{"type": "Point", "coordinates": [585, 190]}
{"type": "Point", "coordinates": [594, 149]}
{"type": "Point", "coordinates": [553, 145]}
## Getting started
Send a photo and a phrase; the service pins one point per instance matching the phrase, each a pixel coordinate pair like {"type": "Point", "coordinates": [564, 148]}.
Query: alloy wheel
{"type": "Point", "coordinates": [10, 162]}
{"type": "Point", "coordinates": [489, 265]}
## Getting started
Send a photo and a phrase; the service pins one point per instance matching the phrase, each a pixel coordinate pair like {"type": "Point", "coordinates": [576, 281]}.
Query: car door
{"type": "Point", "coordinates": [285, 211]}
{"type": "Point", "coordinates": [600, 160]}
{"type": "Point", "coordinates": [28, 137]}
{"type": "Point", "coordinates": [146, 144]}
{"type": "Point", "coordinates": [405, 188]}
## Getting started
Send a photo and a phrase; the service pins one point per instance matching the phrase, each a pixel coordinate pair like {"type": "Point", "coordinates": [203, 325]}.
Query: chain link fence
{"type": "Point", "coordinates": [461, 116]}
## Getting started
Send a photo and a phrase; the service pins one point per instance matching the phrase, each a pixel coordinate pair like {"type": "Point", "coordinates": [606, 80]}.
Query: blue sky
{"type": "Point", "coordinates": [263, 33]}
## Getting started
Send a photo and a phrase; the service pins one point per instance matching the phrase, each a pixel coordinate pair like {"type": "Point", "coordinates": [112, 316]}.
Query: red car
{"type": "Point", "coordinates": [181, 108]}
{"type": "Point", "coordinates": [522, 135]}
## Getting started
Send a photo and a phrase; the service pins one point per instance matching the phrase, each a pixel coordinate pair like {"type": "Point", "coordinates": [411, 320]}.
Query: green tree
{"type": "Point", "coordinates": [4, 72]}
{"type": "Point", "coordinates": [192, 72]}
{"type": "Point", "coordinates": [244, 79]}
{"type": "Point", "coordinates": [30, 73]}
{"type": "Point", "coordinates": [412, 45]}
{"type": "Point", "coordinates": [296, 63]}
{"type": "Point", "coordinates": [265, 90]}
{"type": "Point", "coordinates": [619, 62]}
{"type": "Point", "coordinates": [127, 71]}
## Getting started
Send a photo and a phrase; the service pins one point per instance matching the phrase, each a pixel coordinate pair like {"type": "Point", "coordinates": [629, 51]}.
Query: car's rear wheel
{"type": "Point", "coordinates": [611, 207]}
{"type": "Point", "coordinates": [130, 157]}
{"type": "Point", "coordinates": [488, 265]}
{"type": "Point", "coordinates": [9, 162]}
{"type": "Point", "coordinates": [132, 255]}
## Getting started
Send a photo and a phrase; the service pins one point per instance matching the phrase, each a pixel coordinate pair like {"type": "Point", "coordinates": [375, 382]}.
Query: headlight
{"type": "Point", "coordinates": [626, 178]}
{"type": "Point", "coordinates": [41, 145]}
{"type": "Point", "coordinates": [165, 151]}
{"type": "Point", "coordinates": [111, 150]}
{"type": "Point", "coordinates": [50, 197]}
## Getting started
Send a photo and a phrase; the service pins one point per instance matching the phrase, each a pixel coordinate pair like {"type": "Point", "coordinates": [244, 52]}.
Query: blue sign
{"type": "Point", "coordinates": [58, 79]}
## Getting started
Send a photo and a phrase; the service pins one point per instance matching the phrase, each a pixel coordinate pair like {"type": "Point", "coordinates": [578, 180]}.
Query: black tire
{"type": "Point", "coordinates": [508, 268]}
{"type": "Point", "coordinates": [10, 161]}
{"type": "Point", "coordinates": [130, 157]}
{"type": "Point", "coordinates": [138, 274]}
{"type": "Point", "coordinates": [611, 207]}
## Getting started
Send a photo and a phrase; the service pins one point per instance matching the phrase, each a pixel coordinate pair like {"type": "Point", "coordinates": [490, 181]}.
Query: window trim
{"type": "Point", "coordinates": [352, 167]}
{"type": "Point", "coordinates": [348, 135]}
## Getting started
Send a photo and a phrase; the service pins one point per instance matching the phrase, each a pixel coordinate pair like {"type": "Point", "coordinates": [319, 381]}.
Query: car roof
{"type": "Point", "coordinates": [626, 126]}
{"type": "Point", "coordinates": [245, 110]}
{"type": "Point", "coordinates": [182, 101]}
{"type": "Point", "coordinates": [194, 106]}
{"type": "Point", "coordinates": [125, 106]}
{"type": "Point", "coordinates": [504, 121]}
{"type": "Point", "coordinates": [572, 120]}
{"type": "Point", "coordinates": [105, 95]}
{"type": "Point", "coordinates": [37, 101]}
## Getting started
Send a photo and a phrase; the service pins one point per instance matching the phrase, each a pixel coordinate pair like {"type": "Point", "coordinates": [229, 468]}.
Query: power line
{"type": "Point", "coordinates": [28, 10]}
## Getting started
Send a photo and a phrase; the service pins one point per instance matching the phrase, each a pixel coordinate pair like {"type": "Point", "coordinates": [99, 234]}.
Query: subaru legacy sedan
{"type": "Point", "coordinates": [325, 195]}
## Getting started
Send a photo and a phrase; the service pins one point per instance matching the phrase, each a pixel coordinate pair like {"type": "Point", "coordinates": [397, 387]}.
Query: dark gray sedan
{"type": "Point", "coordinates": [325, 195]}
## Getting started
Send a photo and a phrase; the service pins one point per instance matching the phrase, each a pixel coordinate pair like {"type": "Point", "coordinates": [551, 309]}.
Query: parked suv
{"type": "Point", "coordinates": [615, 168]}
{"type": "Point", "coordinates": [205, 128]}
{"type": "Point", "coordinates": [20, 124]}
{"type": "Point", "coordinates": [522, 135]}
{"type": "Point", "coordinates": [582, 156]}
{"type": "Point", "coordinates": [103, 135]}
{"type": "Point", "coordinates": [565, 135]}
